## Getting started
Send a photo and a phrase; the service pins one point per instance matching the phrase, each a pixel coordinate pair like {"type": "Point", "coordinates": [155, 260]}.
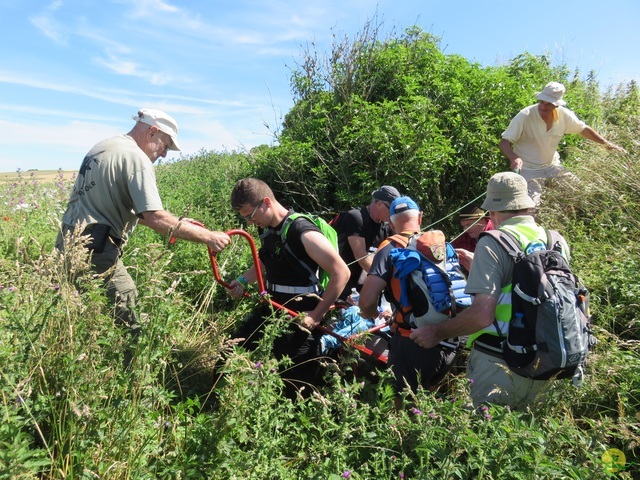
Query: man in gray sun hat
{"type": "Point", "coordinates": [114, 191]}
{"type": "Point", "coordinates": [490, 282]}
{"type": "Point", "coordinates": [532, 138]}
{"type": "Point", "coordinates": [360, 231]}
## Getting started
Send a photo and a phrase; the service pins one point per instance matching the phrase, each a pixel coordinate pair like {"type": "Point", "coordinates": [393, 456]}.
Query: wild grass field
{"type": "Point", "coordinates": [193, 405]}
{"type": "Point", "coordinates": [43, 176]}
{"type": "Point", "coordinates": [70, 410]}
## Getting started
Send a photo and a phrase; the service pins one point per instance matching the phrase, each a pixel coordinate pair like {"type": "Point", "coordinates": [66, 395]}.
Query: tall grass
{"type": "Point", "coordinates": [193, 405]}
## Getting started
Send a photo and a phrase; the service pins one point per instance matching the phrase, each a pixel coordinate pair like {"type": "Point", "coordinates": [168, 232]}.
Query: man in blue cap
{"type": "Point", "coordinates": [412, 365]}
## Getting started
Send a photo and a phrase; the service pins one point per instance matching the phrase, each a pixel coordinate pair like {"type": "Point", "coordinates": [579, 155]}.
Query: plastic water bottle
{"type": "Point", "coordinates": [518, 320]}
{"type": "Point", "coordinates": [355, 296]}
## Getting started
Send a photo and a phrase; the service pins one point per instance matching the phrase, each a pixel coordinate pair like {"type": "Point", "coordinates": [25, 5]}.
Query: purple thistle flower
{"type": "Point", "coordinates": [258, 364]}
{"type": "Point", "coordinates": [346, 474]}
{"type": "Point", "coordinates": [416, 411]}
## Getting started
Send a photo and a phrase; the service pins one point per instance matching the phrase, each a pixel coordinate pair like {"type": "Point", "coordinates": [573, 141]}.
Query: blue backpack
{"type": "Point", "coordinates": [431, 281]}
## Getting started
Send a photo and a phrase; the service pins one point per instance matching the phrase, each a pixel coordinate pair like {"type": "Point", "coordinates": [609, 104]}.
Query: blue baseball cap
{"type": "Point", "coordinates": [402, 204]}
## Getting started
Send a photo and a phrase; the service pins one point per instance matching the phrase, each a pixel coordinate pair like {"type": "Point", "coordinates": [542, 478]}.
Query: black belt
{"type": "Point", "coordinates": [489, 344]}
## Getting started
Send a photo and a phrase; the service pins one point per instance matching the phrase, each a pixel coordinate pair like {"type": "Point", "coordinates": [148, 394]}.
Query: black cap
{"type": "Point", "coordinates": [386, 193]}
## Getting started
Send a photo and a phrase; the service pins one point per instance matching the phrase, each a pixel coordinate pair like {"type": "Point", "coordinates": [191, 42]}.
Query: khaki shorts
{"type": "Point", "coordinates": [493, 382]}
{"type": "Point", "coordinates": [538, 179]}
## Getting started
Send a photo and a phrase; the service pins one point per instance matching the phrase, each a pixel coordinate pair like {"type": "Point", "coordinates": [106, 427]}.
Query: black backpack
{"type": "Point", "coordinates": [549, 334]}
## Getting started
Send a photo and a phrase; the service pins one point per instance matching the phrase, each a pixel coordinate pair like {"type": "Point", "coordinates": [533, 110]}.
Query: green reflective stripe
{"type": "Point", "coordinates": [503, 309]}
{"type": "Point", "coordinates": [503, 316]}
{"type": "Point", "coordinates": [526, 233]}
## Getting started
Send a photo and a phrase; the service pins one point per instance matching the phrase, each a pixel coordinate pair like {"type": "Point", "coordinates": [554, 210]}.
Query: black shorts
{"type": "Point", "coordinates": [414, 365]}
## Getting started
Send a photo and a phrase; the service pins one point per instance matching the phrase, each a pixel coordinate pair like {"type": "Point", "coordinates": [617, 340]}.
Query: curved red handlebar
{"type": "Point", "coordinates": [254, 254]}
{"type": "Point", "coordinates": [256, 262]}
{"type": "Point", "coordinates": [264, 295]}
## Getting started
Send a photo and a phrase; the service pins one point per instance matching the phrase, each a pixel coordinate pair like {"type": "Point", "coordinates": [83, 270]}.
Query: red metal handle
{"type": "Point", "coordinates": [265, 297]}
{"type": "Point", "coordinates": [254, 254]}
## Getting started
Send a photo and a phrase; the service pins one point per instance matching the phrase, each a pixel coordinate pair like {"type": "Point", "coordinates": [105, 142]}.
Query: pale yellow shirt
{"type": "Point", "coordinates": [537, 147]}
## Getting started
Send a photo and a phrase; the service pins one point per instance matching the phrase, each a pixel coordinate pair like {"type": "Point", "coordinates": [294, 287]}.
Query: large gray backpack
{"type": "Point", "coordinates": [549, 334]}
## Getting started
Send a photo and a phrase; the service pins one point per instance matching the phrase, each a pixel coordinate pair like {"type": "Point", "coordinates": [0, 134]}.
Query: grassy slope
{"type": "Point", "coordinates": [69, 410]}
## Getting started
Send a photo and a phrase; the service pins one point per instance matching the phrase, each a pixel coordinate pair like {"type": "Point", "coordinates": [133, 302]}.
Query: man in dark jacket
{"type": "Point", "coordinates": [360, 231]}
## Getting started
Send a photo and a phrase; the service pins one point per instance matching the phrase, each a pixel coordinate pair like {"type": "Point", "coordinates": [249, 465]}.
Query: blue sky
{"type": "Point", "coordinates": [74, 71]}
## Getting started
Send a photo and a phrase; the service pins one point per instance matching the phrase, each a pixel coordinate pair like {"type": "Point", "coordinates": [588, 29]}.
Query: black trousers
{"type": "Point", "coordinates": [300, 346]}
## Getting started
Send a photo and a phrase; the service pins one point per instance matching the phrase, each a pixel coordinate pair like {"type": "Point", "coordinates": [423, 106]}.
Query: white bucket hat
{"type": "Point", "coordinates": [164, 122]}
{"type": "Point", "coordinates": [552, 93]}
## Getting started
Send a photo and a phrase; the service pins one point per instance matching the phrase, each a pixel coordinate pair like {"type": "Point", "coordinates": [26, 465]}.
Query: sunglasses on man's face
{"type": "Point", "coordinates": [252, 214]}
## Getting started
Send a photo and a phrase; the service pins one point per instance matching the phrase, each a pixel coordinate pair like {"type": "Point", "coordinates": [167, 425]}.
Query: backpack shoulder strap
{"type": "Point", "coordinates": [284, 230]}
{"type": "Point", "coordinates": [554, 240]}
{"type": "Point", "coordinates": [401, 239]}
{"type": "Point", "coordinates": [507, 241]}
{"type": "Point", "coordinates": [289, 219]}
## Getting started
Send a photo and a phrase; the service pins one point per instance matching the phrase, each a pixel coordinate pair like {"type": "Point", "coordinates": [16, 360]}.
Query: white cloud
{"type": "Point", "coordinates": [150, 8]}
{"type": "Point", "coordinates": [48, 25]}
{"type": "Point", "coordinates": [121, 66]}
{"type": "Point", "coordinates": [112, 96]}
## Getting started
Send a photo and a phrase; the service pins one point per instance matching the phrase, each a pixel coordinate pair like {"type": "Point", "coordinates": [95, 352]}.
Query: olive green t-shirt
{"type": "Point", "coordinates": [116, 183]}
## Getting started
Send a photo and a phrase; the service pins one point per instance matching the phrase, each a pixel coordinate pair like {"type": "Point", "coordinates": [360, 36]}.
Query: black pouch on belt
{"type": "Point", "coordinates": [99, 234]}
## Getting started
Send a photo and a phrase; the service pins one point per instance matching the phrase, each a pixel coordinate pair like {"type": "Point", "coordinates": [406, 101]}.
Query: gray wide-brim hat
{"type": "Point", "coordinates": [507, 191]}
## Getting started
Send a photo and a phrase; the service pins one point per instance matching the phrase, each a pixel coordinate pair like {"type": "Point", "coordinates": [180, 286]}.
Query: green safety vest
{"type": "Point", "coordinates": [525, 235]}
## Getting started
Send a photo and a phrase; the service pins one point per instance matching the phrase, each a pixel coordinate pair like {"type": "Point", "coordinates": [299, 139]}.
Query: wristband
{"type": "Point", "coordinates": [243, 281]}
